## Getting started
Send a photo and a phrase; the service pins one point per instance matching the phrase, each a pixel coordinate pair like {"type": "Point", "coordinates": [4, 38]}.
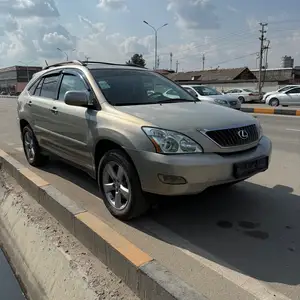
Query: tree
{"type": "Point", "coordinates": [137, 59]}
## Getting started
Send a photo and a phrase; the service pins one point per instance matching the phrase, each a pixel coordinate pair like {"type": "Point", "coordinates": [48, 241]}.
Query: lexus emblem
{"type": "Point", "coordinates": [243, 134]}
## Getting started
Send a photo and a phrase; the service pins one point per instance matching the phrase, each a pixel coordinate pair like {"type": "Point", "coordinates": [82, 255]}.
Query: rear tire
{"type": "Point", "coordinates": [274, 102]}
{"type": "Point", "coordinates": [32, 149]}
{"type": "Point", "coordinates": [120, 185]}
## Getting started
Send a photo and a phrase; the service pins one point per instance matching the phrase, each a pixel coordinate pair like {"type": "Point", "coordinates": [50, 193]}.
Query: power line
{"type": "Point", "coordinates": [235, 58]}
{"type": "Point", "coordinates": [231, 43]}
{"type": "Point", "coordinates": [273, 35]}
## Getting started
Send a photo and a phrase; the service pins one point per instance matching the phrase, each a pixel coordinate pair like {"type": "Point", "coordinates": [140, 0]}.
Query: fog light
{"type": "Point", "coordinates": [171, 179]}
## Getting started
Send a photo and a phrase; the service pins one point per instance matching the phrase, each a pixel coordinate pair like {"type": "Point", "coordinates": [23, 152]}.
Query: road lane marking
{"type": "Point", "coordinates": [253, 286]}
{"type": "Point", "coordinates": [292, 129]}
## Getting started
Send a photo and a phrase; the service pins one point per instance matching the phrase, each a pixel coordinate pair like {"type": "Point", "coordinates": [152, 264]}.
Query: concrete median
{"type": "Point", "coordinates": [271, 111]}
{"type": "Point", "coordinates": [144, 275]}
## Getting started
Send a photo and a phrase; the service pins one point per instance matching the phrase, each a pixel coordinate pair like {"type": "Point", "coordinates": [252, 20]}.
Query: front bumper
{"type": "Point", "coordinates": [199, 170]}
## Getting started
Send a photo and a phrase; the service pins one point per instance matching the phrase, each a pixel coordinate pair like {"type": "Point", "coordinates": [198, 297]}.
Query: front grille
{"type": "Point", "coordinates": [232, 137]}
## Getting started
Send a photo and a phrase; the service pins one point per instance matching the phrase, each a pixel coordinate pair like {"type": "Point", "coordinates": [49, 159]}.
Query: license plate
{"type": "Point", "coordinates": [251, 167]}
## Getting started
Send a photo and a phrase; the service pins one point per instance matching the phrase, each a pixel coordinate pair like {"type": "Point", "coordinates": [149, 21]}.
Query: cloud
{"type": "Point", "coordinates": [29, 8]}
{"type": "Point", "coordinates": [32, 31]}
{"type": "Point", "coordinates": [113, 5]}
{"type": "Point", "coordinates": [96, 27]}
{"type": "Point", "coordinates": [232, 9]}
{"type": "Point", "coordinates": [194, 14]}
{"type": "Point", "coordinates": [115, 47]}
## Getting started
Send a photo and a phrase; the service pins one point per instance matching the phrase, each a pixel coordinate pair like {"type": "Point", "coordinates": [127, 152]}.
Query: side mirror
{"type": "Point", "coordinates": [76, 98]}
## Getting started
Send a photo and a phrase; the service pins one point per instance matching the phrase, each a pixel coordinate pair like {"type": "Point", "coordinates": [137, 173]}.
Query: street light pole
{"type": "Point", "coordinates": [65, 53]}
{"type": "Point", "coordinates": [155, 41]}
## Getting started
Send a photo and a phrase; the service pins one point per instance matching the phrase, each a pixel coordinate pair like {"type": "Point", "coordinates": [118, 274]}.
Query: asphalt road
{"type": "Point", "coordinates": [239, 243]}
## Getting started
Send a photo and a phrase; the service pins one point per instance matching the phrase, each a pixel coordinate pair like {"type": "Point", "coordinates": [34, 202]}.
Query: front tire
{"type": "Point", "coordinates": [274, 102]}
{"type": "Point", "coordinates": [32, 149]}
{"type": "Point", "coordinates": [120, 185]}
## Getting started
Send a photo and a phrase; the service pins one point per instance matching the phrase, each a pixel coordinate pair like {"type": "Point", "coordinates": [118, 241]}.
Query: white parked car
{"type": "Point", "coordinates": [288, 97]}
{"type": "Point", "coordinates": [245, 95]}
{"type": "Point", "coordinates": [206, 93]}
{"type": "Point", "coordinates": [282, 89]}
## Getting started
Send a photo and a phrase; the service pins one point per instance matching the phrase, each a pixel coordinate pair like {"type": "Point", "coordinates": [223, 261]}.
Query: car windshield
{"type": "Point", "coordinates": [206, 91]}
{"type": "Point", "coordinates": [285, 88]}
{"type": "Point", "coordinates": [137, 87]}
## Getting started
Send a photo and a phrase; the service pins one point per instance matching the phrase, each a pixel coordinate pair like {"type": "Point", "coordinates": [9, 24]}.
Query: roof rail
{"type": "Point", "coordinates": [75, 62]}
{"type": "Point", "coordinates": [86, 62]}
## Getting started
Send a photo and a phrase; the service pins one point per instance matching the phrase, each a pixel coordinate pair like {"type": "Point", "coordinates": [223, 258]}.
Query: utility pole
{"type": "Point", "coordinates": [203, 61]}
{"type": "Point", "coordinates": [262, 40]}
{"type": "Point", "coordinates": [177, 65]}
{"type": "Point", "coordinates": [256, 59]}
{"type": "Point", "coordinates": [171, 60]}
{"type": "Point", "coordinates": [267, 52]}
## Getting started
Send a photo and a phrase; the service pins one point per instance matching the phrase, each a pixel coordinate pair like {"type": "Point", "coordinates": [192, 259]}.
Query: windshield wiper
{"type": "Point", "coordinates": [176, 100]}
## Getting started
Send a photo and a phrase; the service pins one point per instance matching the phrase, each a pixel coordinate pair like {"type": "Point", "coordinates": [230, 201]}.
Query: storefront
{"type": "Point", "coordinates": [14, 79]}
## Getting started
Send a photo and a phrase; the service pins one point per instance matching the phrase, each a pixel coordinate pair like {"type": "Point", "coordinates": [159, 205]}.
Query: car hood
{"type": "Point", "coordinates": [270, 93]}
{"type": "Point", "coordinates": [188, 116]}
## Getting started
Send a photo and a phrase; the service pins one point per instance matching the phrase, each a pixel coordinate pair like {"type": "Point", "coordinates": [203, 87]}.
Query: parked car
{"type": "Point", "coordinates": [206, 93]}
{"type": "Point", "coordinates": [245, 95]}
{"type": "Point", "coordinates": [99, 117]}
{"type": "Point", "coordinates": [288, 97]}
{"type": "Point", "coordinates": [285, 88]}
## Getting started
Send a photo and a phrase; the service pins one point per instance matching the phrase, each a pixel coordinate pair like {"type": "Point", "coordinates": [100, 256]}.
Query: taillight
{"type": "Point", "coordinates": [251, 94]}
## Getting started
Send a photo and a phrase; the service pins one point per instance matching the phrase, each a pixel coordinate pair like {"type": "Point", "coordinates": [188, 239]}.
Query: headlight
{"type": "Point", "coordinates": [222, 102]}
{"type": "Point", "coordinates": [170, 142]}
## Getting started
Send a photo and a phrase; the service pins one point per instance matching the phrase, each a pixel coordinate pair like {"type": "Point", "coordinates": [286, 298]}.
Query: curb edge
{"type": "Point", "coordinates": [143, 274]}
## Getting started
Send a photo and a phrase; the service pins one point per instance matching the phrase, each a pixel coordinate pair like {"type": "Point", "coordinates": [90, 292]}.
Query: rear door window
{"type": "Point", "coordinates": [37, 91]}
{"type": "Point", "coordinates": [31, 90]}
{"type": "Point", "coordinates": [49, 87]}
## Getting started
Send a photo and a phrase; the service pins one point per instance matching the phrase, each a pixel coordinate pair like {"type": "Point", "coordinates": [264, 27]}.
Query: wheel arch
{"type": "Point", "coordinates": [104, 145]}
{"type": "Point", "coordinates": [23, 123]}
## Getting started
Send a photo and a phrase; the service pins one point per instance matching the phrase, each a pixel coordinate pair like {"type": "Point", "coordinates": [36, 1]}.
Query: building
{"type": "Point", "coordinates": [214, 75]}
{"type": "Point", "coordinates": [222, 79]}
{"type": "Point", "coordinates": [14, 79]}
{"type": "Point", "coordinates": [287, 62]}
{"type": "Point", "coordinates": [225, 79]}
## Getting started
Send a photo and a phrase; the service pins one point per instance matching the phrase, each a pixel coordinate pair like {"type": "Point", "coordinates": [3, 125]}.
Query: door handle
{"type": "Point", "coordinates": [54, 110]}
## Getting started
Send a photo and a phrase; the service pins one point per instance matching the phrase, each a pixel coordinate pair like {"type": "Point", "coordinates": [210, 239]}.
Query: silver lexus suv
{"type": "Point", "coordinates": [116, 123]}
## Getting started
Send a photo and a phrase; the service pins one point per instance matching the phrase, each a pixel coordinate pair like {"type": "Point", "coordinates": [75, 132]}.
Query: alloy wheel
{"type": "Point", "coordinates": [116, 185]}
{"type": "Point", "coordinates": [29, 146]}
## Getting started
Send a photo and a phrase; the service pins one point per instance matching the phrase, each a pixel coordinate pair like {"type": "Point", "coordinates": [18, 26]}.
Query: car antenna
{"type": "Point", "coordinates": [46, 62]}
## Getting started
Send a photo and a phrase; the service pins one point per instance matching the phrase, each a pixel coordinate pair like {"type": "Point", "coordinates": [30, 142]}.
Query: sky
{"type": "Point", "coordinates": [225, 31]}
